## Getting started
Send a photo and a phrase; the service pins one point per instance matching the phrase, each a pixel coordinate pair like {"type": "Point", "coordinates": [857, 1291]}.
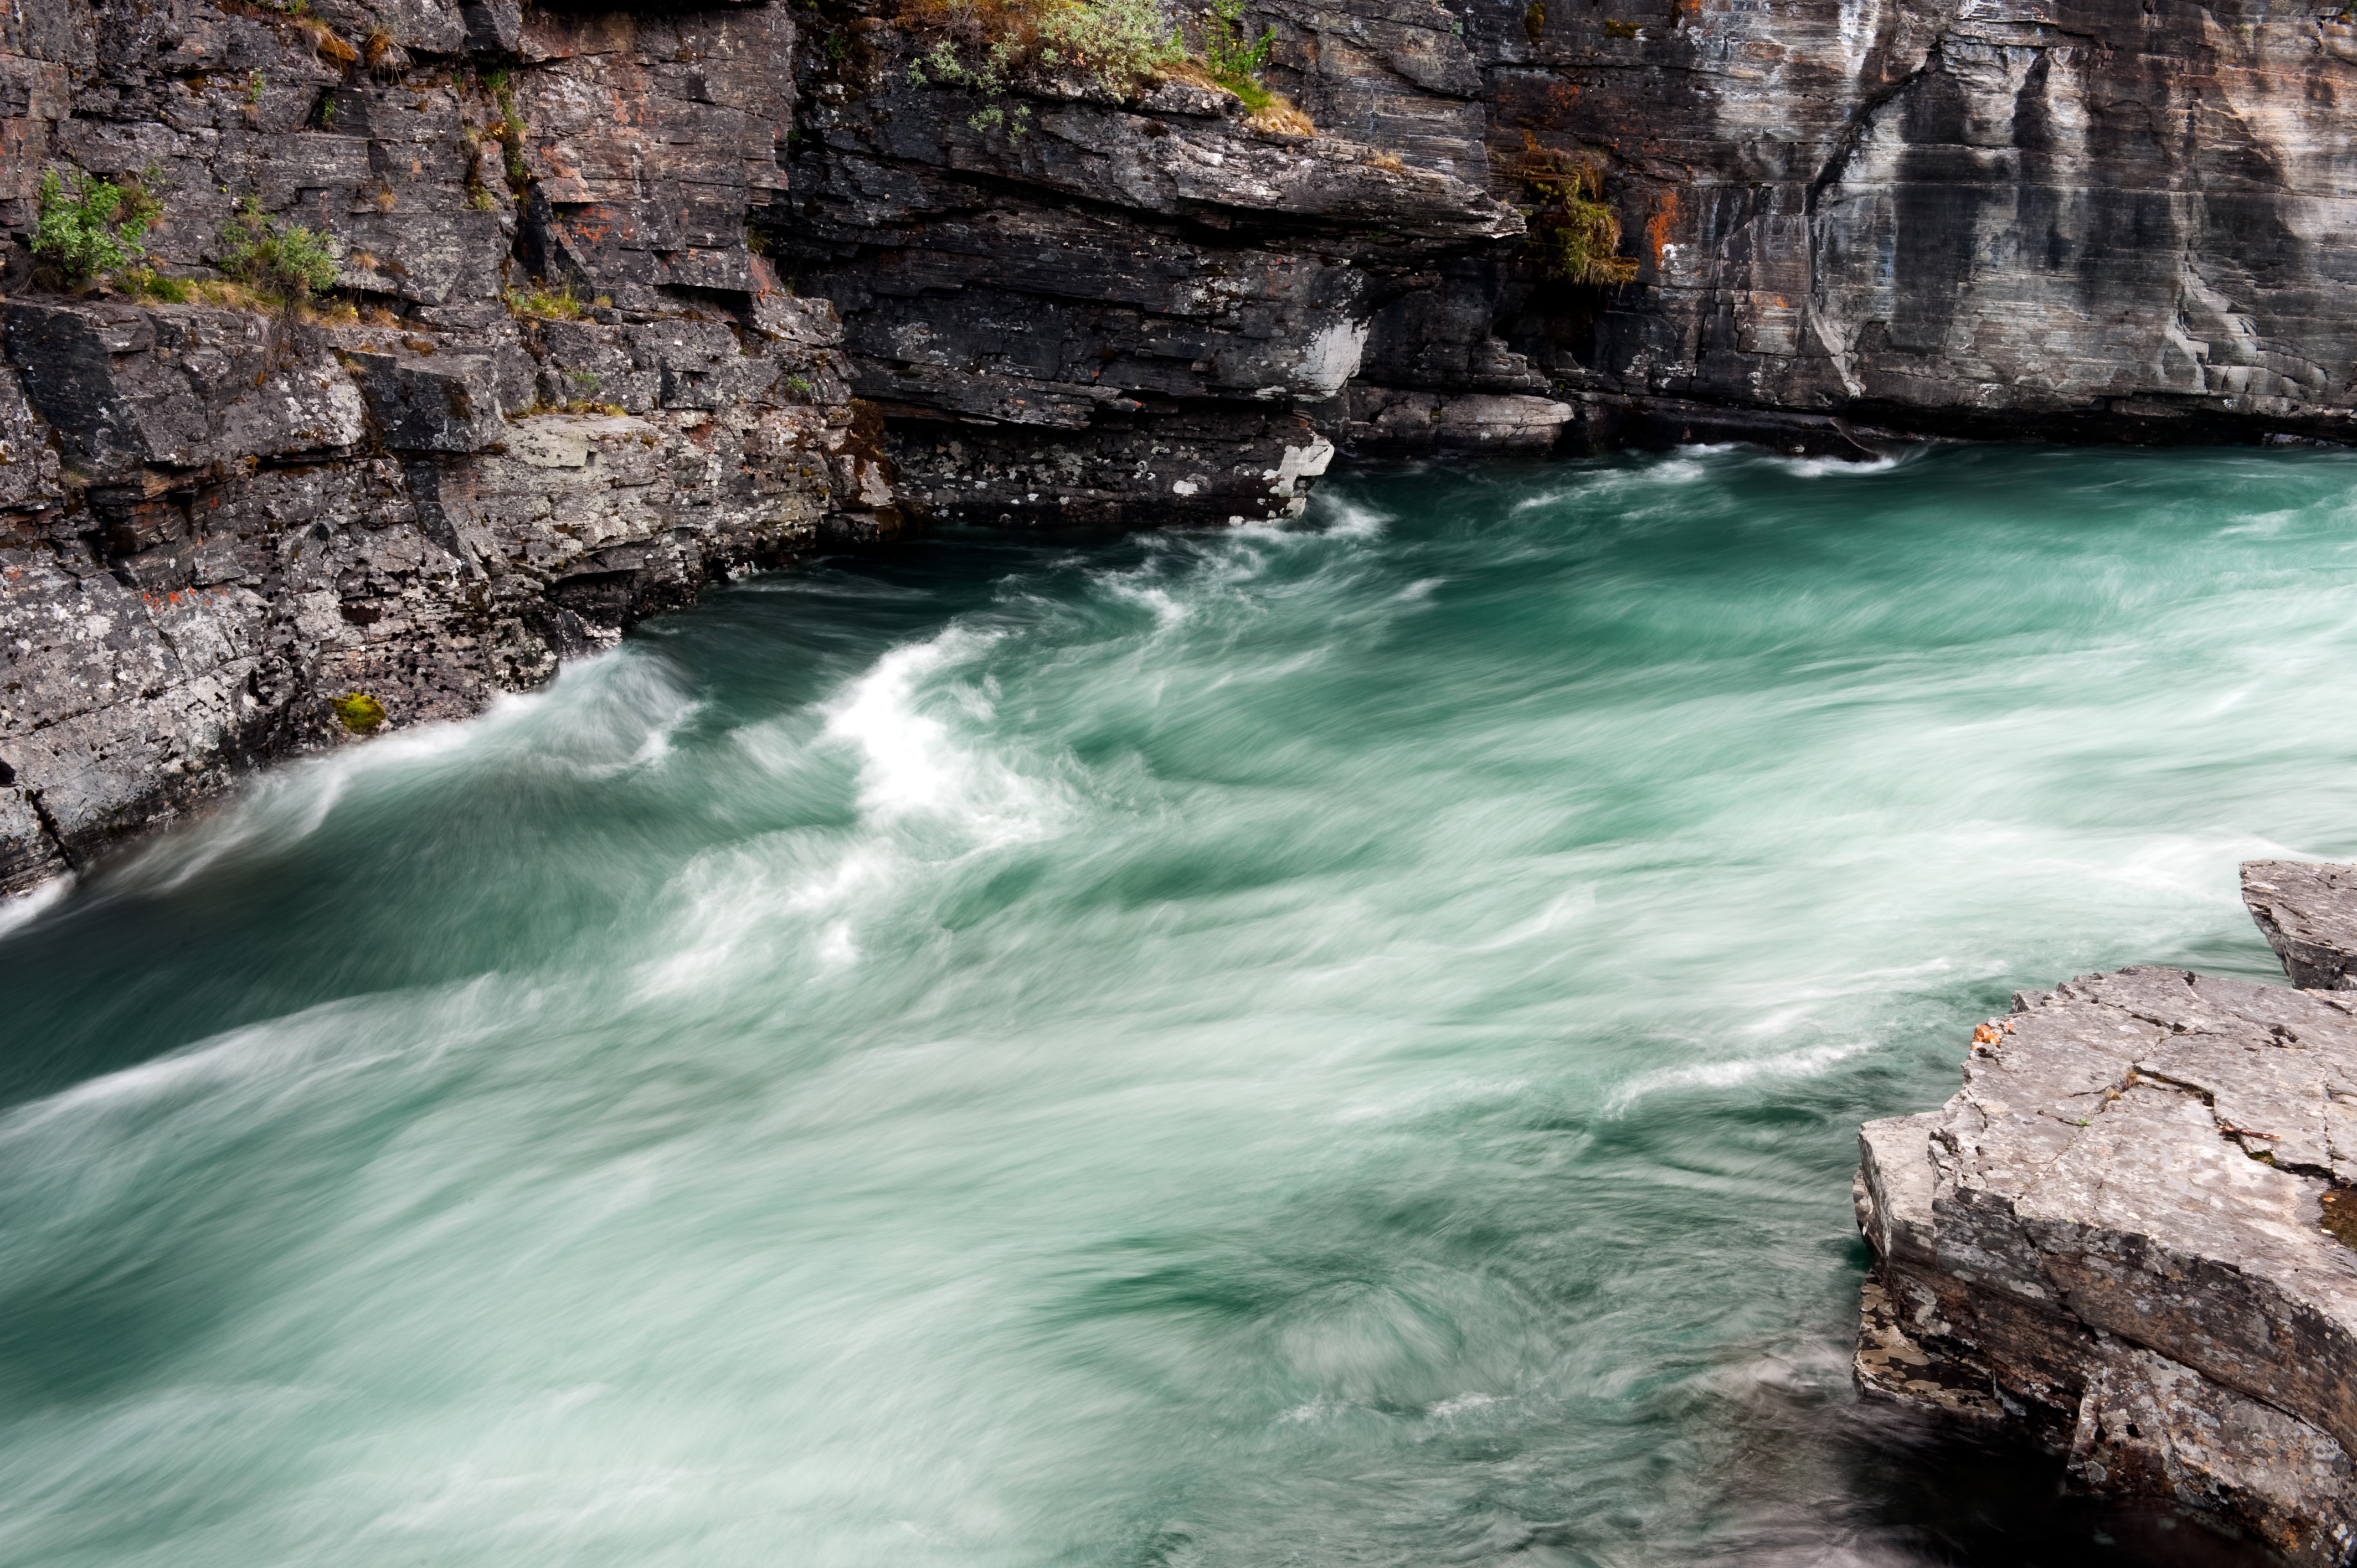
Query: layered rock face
{"type": "Point", "coordinates": [2098, 219]}
{"type": "Point", "coordinates": [2132, 1231]}
{"type": "Point", "coordinates": [214, 522]}
{"type": "Point", "coordinates": [1123, 311]}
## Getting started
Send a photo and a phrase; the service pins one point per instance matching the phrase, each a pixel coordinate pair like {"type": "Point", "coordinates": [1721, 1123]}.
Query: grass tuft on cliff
{"type": "Point", "coordinates": [1575, 233]}
{"type": "Point", "coordinates": [545, 304]}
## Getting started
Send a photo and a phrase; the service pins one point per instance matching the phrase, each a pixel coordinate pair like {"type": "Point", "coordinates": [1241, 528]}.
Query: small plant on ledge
{"type": "Point", "coordinates": [1232, 59]}
{"type": "Point", "coordinates": [1119, 46]}
{"type": "Point", "coordinates": [88, 228]}
{"type": "Point", "coordinates": [359, 712]}
{"type": "Point", "coordinates": [544, 303]}
{"type": "Point", "coordinates": [283, 266]}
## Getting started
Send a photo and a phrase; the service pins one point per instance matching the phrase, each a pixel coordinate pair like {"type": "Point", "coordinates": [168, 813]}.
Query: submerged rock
{"type": "Point", "coordinates": [2122, 1234]}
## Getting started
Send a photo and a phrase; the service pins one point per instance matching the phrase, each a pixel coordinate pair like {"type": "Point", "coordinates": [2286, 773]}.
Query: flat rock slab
{"type": "Point", "coordinates": [2308, 913]}
{"type": "Point", "coordinates": [2121, 1235]}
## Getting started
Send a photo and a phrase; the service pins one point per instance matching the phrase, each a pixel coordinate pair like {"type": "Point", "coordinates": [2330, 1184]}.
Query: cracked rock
{"type": "Point", "coordinates": [2115, 1235]}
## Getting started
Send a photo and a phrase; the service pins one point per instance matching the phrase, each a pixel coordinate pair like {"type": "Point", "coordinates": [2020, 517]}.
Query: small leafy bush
{"type": "Point", "coordinates": [90, 227]}
{"type": "Point", "coordinates": [987, 45]}
{"type": "Point", "coordinates": [1118, 43]}
{"type": "Point", "coordinates": [285, 264]}
{"type": "Point", "coordinates": [1229, 53]}
{"type": "Point", "coordinates": [1118, 46]}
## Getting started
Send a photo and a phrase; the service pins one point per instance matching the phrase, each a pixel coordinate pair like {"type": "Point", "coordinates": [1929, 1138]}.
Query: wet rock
{"type": "Point", "coordinates": [2309, 914]}
{"type": "Point", "coordinates": [1411, 423]}
{"type": "Point", "coordinates": [2122, 1233]}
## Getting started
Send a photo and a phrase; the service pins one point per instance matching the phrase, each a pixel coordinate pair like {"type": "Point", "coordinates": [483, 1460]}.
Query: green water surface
{"type": "Point", "coordinates": [1330, 1045]}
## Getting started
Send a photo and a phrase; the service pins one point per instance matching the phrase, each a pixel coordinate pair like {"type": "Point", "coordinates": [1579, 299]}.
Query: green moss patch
{"type": "Point", "coordinates": [359, 712]}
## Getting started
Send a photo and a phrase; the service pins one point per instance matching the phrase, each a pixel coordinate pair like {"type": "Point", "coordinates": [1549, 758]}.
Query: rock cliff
{"type": "Point", "coordinates": [2131, 1231]}
{"type": "Point", "coordinates": [219, 525]}
{"type": "Point", "coordinates": [634, 297]}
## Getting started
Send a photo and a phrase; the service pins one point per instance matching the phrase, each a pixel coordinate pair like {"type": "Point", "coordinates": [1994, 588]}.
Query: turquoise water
{"type": "Point", "coordinates": [1335, 1045]}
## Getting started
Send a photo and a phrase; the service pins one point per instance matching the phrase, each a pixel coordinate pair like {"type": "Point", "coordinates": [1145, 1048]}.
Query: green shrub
{"type": "Point", "coordinates": [1119, 43]}
{"type": "Point", "coordinates": [1229, 53]}
{"type": "Point", "coordinates": [87, 227]}
{"type": "Point", "coordinates": [985, 46]}
{"type": "Point", "coordinates": [1120, 47]}
{"type": "Point", "coordinates": [288, 265]}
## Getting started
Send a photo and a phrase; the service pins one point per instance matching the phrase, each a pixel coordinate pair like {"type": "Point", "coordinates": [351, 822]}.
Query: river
{"type": "Point", "coordinates": [1329, 1044]}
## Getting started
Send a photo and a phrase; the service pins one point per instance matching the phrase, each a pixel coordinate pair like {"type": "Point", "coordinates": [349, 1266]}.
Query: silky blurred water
{"type": "Point", "coordinates": [1332, 1045]}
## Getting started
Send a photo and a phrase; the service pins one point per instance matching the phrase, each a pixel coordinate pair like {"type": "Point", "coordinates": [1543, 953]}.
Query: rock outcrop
{"type": "Point", "coordinates": [2090, 218]}
{"type": "Point", "coordinates": [2131, 1232]}
{"type": "Point", "coordinates": [2309, 914]}
{"type": "Point", "coordinates": [216, 524]}
{"type": "Point", "coordinates": [1127, 312]}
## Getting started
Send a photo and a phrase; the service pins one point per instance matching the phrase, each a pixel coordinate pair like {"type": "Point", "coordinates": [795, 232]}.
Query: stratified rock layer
{"type": "Point", "coordinates": [215, 522]}
{"type": "Point", "coordinates": [2123, 1233]}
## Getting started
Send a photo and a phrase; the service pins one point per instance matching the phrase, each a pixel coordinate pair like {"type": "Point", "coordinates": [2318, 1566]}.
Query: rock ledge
{"type": "Point", "coordinates": [2123, 1233]}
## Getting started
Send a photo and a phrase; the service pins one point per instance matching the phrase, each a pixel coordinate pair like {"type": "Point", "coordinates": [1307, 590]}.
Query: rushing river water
{"type": "Point", "coordinates": [1329, 1046]}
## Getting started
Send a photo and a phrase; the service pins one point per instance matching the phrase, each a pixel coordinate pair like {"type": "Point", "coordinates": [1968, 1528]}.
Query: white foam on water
{"type": "Point", "coordinates": [1811, 1061]}
{"type": "Point", "coordinates": [22, 909]}
{"type": "Point", "coordinates": [912, 765]}
{"type": "Point", "coordinates": [1834, 467]}
{"type": "Point", "coordinates": [601, 716]}
{"type": "Point", "coordinates": [1346, 517]}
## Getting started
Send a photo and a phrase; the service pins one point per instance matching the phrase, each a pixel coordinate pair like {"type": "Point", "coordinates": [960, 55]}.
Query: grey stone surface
{"type": "Point", "coordinates": [2309, 914]}
{"type": "Point", "coordinates": [2117, 1234]}
{"type": "Point", "coordinates": [1144, 312]}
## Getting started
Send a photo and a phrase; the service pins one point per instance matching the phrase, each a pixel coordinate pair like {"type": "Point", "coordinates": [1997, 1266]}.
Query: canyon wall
{"type": "Point", "coordinates": [631, 298]}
